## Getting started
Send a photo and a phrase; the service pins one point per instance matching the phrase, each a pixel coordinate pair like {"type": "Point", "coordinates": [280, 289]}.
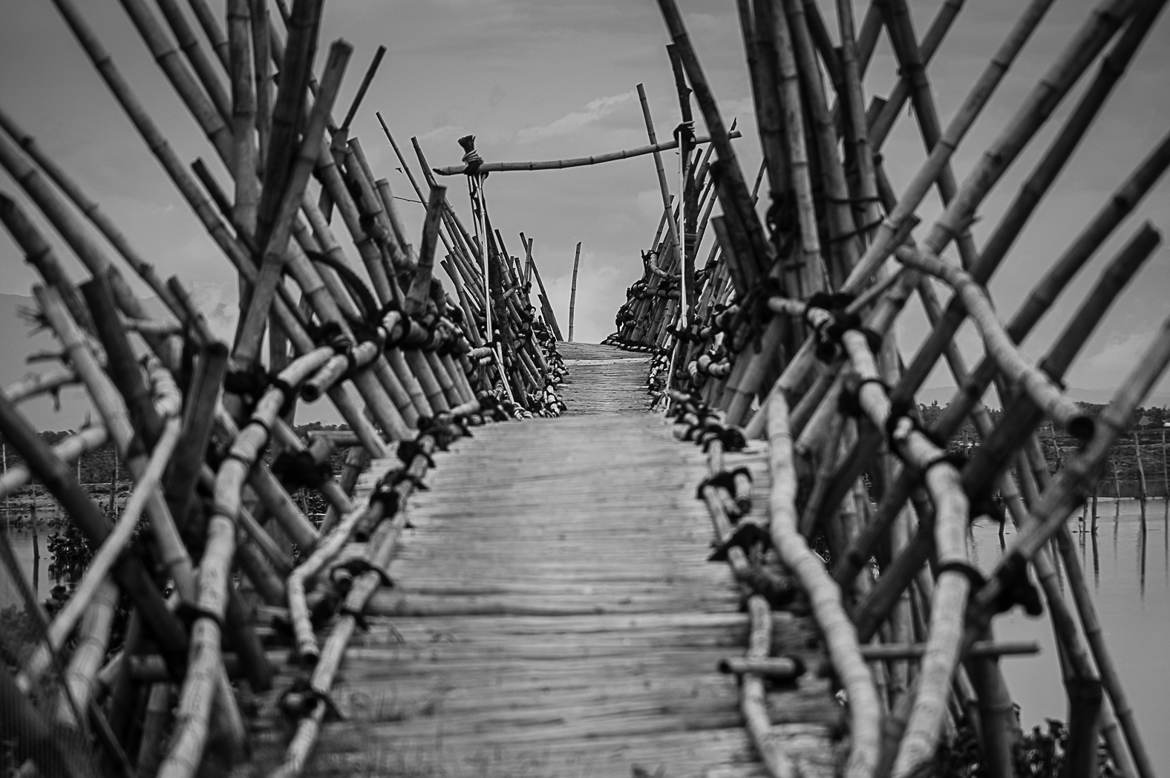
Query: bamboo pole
{"type": "Point", "coordinates": [1029, 195]}
{"type": "Point", "coordinates": [367, 79]}
{"type": "Point", "coordinates": [420, 285]}
{"type": "Point", "coordinates": [864, 708]}
{"type": "Point", "coordinates": [561, 164]}
{"type": "Point", "coordinates": [810, 271]}
{"type": "Point", "coordinates": [278, 211]}
{"type": "Point", "coordinates": [734, 195]}
{"type": "Point", "coordinates": [573, 292]}
{"type": "Point", "coordinates": [381, 547]}
{"type": "Point", "coordinates": [231, 247]}
{"type": "Point", "coordinates": [1141, 470]}
{"type": "Point", "coordinates": [93, 637]}
{"type": "Point", "coordinates": [972, 106]}
{"type": "Point", "coordinates": [205, 660]}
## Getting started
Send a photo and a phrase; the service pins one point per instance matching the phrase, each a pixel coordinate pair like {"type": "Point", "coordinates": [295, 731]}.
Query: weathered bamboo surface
{"type": "Point", "coordinates": [558, 614]}
{"type": "Point", "coordinates": [605, 379]}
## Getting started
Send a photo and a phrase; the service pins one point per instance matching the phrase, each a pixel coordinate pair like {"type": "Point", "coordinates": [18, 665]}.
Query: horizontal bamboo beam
{"type": "Point", "coordinates": [561, 164]}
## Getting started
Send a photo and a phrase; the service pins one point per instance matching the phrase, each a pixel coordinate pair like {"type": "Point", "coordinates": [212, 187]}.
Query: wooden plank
{"type": "Point", "coordinates": [554, 612]}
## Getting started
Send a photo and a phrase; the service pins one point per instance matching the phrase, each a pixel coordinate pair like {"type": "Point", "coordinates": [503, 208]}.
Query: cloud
{"type": "Point", "coordinates": [600, 282]}
{"type": "Point", "coordinates": [595, 111]}
{"type": "Point", "coordinates": [649, 204]}
{"type": "Point", "coordinates": [443, 131]}
{"type": "Point", "coordinates": [1116, 357]}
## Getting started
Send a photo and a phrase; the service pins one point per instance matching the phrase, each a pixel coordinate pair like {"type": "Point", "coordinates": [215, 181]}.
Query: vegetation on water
{"type": "Point", "coordinates": [1039, 753]}
{"type": "Point", "coordinates": [1058, 446]}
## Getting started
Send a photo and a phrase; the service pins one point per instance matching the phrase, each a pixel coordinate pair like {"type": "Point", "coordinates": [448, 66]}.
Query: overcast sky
{"type": "Point", "coordinates": [540, 79]}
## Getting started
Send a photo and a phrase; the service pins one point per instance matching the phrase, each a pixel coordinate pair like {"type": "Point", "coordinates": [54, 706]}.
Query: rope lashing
{"type": "Point", "coordinates": [901, 423]}
{"type": "Point", "coordinates": [980, 502]}
{"type": "Point", "coordinates": [746, 534]}
{"type": "Point", "coordinates": [249, 381]}
{"type": "Point", "coordinates": [302, 698]}
{"type": "Point", "coordinates": [301, 470]}
{"type": "Point", "coordinates": [1014, 587]}
{"type": "Point", "coordinates": [751, 315]}
{"type": "Point", "coordinates": [341, 575]}
{"type": "Point", "coordinates": [189, 612]}
{"type": "Point", "coordinates": [409, 449]}
{"type": "Point", "coordinates": [849, 400]}
{"type": "Point", "coordinates": [862, 230]}
{"type": "Point", "coordinates": [471, 158]}
{"type": "Point", "coordinates": [444, 429]}
{"type": "Point", "coordinates": [738, 485]}
{"type": "Point", "coordinates": [386, 496]}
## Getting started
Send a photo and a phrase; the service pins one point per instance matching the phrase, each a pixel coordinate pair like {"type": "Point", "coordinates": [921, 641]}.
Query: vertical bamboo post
{"type": "Point", "coordinates": [1116, 494]}
{"type": "Point", "coordinates": [1137, 451]}
{"type": "Point", "coordinates": [663, 186]}
{"type": "Point", "coordinates": [36, 539]}
{"type": "Point", "coordinates": [1165, 479]}
{"type": "Point", "coordinates": [112, 507]}
{"type": "Point", "coordinates": [573, 291]}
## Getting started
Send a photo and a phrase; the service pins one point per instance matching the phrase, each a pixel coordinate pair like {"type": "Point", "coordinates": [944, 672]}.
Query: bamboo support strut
{"type": "Point", "coordinates": [857, 584]}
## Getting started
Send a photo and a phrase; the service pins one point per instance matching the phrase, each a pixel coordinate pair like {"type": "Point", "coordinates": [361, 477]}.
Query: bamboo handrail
{"type": "Point", "coordinates": [864, 708]}
{"type": "Point", "coordinates": [414, 355]}
{"type": "Point", "coordinates": [561, 164]}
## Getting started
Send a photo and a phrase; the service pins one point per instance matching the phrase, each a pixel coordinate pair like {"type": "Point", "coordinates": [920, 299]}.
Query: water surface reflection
{"type": "Point", "coordinates": [1130, 577]}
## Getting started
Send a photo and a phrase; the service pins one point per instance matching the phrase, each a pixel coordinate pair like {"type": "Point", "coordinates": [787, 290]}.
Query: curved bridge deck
{"type": "Point", "coordinates": [553, 612]}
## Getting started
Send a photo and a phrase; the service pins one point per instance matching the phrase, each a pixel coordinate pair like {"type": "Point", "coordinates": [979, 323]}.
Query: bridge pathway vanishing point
{"type": "Point", "coordinates": [554, 613]}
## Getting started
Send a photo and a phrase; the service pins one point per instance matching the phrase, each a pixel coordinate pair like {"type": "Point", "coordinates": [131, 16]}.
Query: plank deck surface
{"type": "Point", "coordinates": [563, 618]}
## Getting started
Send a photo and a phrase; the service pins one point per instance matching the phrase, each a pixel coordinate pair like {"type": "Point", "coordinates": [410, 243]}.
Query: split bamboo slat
{"type": "Point", "coordinates": [793, 595]}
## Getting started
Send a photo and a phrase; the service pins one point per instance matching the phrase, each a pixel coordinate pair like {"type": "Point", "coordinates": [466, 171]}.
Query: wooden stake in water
{"type": "Point", "coordinates": [573, 291]}
{"type": "Point", "coordinates": [1165, 480]}
{"type": "Point", "coordinates": [1137, 451]}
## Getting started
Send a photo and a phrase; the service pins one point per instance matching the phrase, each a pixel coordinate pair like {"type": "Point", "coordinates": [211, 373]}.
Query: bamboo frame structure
{"type": "Point", "coordinates": [406, 358]}
{"type": "Point", "coordinates": [788, 329]}
{"type": "Point", "coordinates": [887, 555]}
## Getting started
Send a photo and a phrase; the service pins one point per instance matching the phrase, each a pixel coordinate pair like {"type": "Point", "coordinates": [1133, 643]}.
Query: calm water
{"type": "Point", "coordinates": [1131, 585]}
{"type": "Point", "coordinates": [21, 541]}
{"type": "Point", "coordinates": [1130, 580]}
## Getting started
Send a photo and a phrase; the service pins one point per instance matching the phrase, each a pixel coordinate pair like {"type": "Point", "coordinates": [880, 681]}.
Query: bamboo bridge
{"type": "Point", "coordinates": [568, 624]}
{"type": "Point", "coordinates": [725, 542]}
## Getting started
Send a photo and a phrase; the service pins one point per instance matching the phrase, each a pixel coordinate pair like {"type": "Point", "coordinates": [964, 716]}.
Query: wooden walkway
{"type": "Point", "coordinates": [553, 611]}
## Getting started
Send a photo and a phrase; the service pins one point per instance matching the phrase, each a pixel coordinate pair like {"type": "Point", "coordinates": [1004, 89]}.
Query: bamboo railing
{"type": "Point", "coordinates": [206, 431]}
{"type": "Point", "coordinates": [789, 336]}
{"type": "Point", "coordinates": [786, 332]}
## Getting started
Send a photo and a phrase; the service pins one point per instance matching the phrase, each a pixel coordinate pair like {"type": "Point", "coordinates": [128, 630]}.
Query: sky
{"type": "Point", "coordinates": [546, 79]}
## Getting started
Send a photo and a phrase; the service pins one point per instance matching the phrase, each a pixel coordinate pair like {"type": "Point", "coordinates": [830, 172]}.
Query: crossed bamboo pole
{"type": "Point", "coordinates": [389, 350]}
{"type": "Point", "coordinates": [836, 213]}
